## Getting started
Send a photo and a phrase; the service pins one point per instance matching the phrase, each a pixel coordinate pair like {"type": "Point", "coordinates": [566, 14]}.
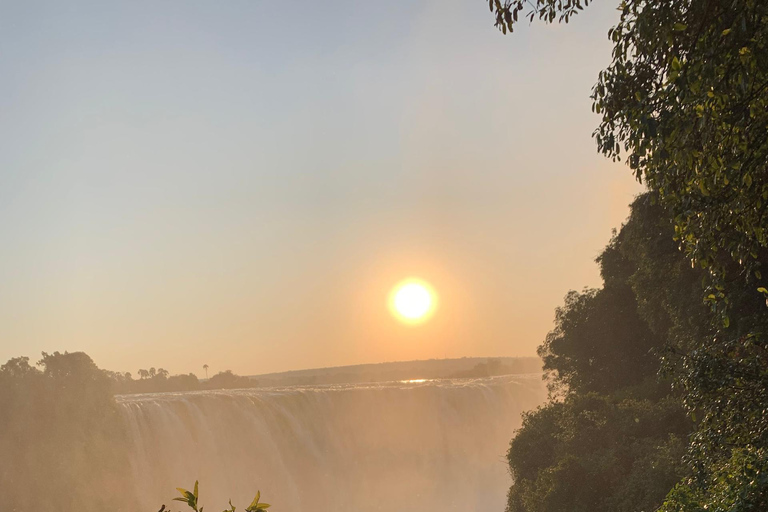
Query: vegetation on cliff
{"type": "Point", "coordinates": [613, 435]}
{"type": "Point", "coordinates": [62, 441]}
{"type": "Point", "coordinates": [685, 103]}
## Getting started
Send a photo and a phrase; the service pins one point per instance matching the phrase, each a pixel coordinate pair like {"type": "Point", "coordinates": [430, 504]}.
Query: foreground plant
{"type": "Point", "coordinates": [191, 499]}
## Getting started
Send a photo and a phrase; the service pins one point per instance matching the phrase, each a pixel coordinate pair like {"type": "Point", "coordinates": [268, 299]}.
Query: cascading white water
{"type": "Point", "coordinates": [416, 446]}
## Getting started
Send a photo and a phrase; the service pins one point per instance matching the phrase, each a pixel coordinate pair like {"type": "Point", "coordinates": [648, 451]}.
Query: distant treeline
{"type": "Point", "coordinates": [465, 367]}
{"type": "Point", "coordinates": [157, 381]}
{"type": "Point", "coordinates": [490, 368]}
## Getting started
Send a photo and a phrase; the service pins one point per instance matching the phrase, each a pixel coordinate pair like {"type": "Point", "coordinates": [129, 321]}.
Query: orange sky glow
{"type": "Point", "coordinates": [206, 187]}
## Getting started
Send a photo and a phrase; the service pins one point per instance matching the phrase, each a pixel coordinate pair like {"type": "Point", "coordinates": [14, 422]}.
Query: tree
{"type": "Point", "coordinates": [599, 343]}
{"type": "Point", "coordinates": [63, 444]}
{"type": "Point", "coordinates": [162, 373]}
{"type": "Point", "coordinates": [205, 367]}
{"type": "Point", "coordinates": [18, 367]}
{"type": "Point", "coordinates": [685, 103]}
{"type": "Point", "coordinates": [228, 380]}
{"type": "Point", "coordinates": [143, 374]}
{"type": "Point", "coordinates": [152, 372]}
{"type": "Point", "coordinates": [613, 437]}
{"type": "Point", "coordinates": [593, 453]}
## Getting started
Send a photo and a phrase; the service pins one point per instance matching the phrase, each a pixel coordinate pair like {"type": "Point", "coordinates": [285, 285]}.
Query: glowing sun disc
{"type": "Point", "coordinates": [412, 301]}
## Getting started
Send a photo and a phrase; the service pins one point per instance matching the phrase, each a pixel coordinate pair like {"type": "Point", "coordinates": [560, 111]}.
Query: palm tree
{"type": "Point", "coordinates": [205, 367]}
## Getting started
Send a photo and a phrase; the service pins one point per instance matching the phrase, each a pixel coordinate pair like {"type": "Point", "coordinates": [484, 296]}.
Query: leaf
{"type": "Point", "coordinates": [763, 290]}
{"type": "Point", "coordinates": [195, 493]}
{"type": "Point", "coordinates": [679, 27]}
{"type": "Point", "coordinates": [255, 502]}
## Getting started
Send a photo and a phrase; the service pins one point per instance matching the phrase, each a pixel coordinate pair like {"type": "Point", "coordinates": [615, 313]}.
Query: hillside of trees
{"type": "Point", "coordinates": [684, 102]}
{"type": "Point", "coordinates": [654, 404]}
{"type": "Point", "coordinates": [613, 434]}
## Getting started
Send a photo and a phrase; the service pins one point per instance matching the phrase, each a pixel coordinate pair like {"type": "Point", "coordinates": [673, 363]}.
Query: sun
{"type": "Point", "coordinates": [412, 301]}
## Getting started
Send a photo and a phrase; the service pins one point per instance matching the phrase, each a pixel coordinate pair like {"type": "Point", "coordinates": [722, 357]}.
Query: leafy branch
{"type": "Point", "coordinates": [191, 499]}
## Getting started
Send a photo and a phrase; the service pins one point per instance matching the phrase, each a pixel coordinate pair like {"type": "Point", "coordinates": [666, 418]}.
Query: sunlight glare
{"type": "Point", "coordinates": [412, 301]}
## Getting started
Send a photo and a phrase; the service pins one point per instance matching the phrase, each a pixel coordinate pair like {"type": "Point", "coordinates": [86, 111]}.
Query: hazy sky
{"type": "Point", "coordinates": [241, 183]}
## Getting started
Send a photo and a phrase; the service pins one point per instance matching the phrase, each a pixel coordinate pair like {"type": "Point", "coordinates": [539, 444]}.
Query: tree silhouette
{"type": "Point", "coordinates": [143, 374]}
{"type": "Point", "coordinates": [205, 367]}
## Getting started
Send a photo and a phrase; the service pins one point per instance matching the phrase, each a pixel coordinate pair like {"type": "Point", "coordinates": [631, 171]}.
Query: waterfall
{"type": "Point", "coordinates": [423, 446]}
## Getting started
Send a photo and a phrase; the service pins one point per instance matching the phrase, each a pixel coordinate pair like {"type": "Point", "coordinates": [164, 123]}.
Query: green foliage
{"type": "Point", "coordinates": [592, 452]}
{"type": "Point", "coordinates": [62, 443]}
{"type": "Point", "coordinates": [599, 343]}
{"type": "Point", "coordinates": [613, 435]}
{"type": "Point", "coordinates": [685, 100]}
{"type": "Point", "coordinates": [191, 499]}
{"type": "Point", "coordinates": [720, 376]}
{"type": "Point", "coordinates": [255, 506]}
{"type": "Point", "coordinates": [739, 484]}
{"type": "Point", "coordinates": [508, 12]}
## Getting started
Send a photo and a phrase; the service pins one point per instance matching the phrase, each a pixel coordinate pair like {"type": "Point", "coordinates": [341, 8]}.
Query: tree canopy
{"type": "Point", "coordinates": [613, 435]}
{"type": "Point", "coordinates": [62, 441]}
{"type": "Point", "coordinates": [685, 102]}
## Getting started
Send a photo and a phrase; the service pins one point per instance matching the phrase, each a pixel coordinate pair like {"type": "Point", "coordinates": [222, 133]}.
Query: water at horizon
{"type": "Point", "coordinates": [424, 446]}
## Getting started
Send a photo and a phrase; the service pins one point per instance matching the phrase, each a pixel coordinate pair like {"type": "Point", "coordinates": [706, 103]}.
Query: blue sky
{"type": "Point", "coordinates": [240, 183]}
